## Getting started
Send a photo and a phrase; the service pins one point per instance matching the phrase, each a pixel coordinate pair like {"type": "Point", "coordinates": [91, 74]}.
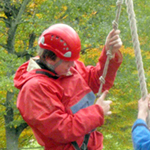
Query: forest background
{"type": "Point", "coordinates": [22, 22]}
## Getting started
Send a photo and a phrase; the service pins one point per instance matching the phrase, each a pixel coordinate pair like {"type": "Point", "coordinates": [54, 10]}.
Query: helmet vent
{"type": "Point", "coordinates": [56, 40]}
{"type": "Point", "coordinates": [52, 37]}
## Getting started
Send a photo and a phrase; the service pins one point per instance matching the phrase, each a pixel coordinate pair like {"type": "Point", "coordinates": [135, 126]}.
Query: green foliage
{"type": "Point", "coordinates": [93, 21]}
{"type": "Point", "coordinates": [8, 65]}
{"type": "Point", "coordinates": [34, 144]}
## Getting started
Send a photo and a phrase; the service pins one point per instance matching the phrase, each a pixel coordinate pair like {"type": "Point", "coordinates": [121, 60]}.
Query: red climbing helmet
{"type": "Point", "coordinates": [62, 40]}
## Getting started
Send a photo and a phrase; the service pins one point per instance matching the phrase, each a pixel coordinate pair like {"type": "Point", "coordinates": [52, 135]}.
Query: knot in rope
{"type": "Point", "coordinates": [115, 25]}
{"type": "Point", "coordinates": [109, 53]}
{"type": "Point", "coordinates": [102, 79]}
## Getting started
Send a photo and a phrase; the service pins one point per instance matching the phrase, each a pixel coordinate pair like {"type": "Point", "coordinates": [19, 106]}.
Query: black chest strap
{"type": "Point", "coordinates": [47, 74]}
{"type": "Point", "coordinates": [84, 144]}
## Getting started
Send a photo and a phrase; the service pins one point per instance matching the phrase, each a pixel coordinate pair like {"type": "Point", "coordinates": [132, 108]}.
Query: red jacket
{"type": "Point", "coordinates": [61, 110]}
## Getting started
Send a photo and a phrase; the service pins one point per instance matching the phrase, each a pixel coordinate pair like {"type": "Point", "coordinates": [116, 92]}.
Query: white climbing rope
{"type": "Point", "coordinates": [109, 54]}
{"type": "Point", "coordinates": [137, 51]}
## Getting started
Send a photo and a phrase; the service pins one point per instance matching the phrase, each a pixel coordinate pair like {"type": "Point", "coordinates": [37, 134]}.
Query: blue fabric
{"type": "Point", "coordinates": [140, 135]}
{"type": "Point", "coordinates": [86, 101]}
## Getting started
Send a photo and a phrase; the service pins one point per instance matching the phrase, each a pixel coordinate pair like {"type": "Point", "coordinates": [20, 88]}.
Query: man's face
{"type": "Point", "coordinates": [63, 68]}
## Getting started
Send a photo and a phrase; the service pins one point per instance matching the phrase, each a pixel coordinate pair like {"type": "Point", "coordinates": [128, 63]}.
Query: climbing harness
{"type": "Point", "coordinates": [84, 144]}
{"type": "Point", "coordinates": [109, 54]}
{"type": "Point", "coordinates": [137, 51]}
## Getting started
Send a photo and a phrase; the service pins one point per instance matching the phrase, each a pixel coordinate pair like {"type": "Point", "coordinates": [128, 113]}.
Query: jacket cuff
{"type": "Point", "coordinates": [139, 122]}
{"type": "Point", "coordinates": [101, 112]}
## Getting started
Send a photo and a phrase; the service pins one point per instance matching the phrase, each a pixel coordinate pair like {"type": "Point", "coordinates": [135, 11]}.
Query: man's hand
{"type": "Point", "coordinates": [113, 40]}
{"type": "Point", "coordinates": [104, 104]}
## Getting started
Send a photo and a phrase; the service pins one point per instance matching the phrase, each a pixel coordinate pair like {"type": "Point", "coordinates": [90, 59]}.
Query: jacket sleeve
{"type": "Point", "coordinates": [41, 109]}
{"type": "Point", "coordinates": [91, 74]}
{"type": "Point", "coordinates": [140, 135]}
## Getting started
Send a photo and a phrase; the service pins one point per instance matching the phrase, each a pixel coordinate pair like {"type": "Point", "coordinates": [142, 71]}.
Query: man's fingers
{"type": "Point", "coordinates": [113, 33]}
{"type": "Point", "coordinates": [109, 102]}
{"type": "Point", "coordinates": [109, 113]}
{"type": "Point", "coordinates": [110, 34]}
{"type": "Point", "coordinates": [114, 41]}
{"type": "Point", "coordinates": [102, 97]}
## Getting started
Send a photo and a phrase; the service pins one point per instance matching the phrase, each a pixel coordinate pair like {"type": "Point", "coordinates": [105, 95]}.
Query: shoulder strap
{"type": "Point", "coordinates": [75, 145]}
{"type": "Point", "coordinates": [84, 144]}
{"type": "Point", "coordinates": [47, 74]}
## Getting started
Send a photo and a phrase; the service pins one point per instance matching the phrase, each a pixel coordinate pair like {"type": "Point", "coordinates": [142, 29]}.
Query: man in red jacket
{"type": "Point", "coordinates": [57, 91]}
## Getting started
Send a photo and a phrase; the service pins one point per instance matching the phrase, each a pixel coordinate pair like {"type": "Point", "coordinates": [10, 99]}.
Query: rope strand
{"type": "Point", "coordinates": [137, 51]}
{"type": "Point", "coordinates": [109, 53]}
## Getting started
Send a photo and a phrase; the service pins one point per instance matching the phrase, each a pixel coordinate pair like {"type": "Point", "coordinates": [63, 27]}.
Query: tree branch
{"type": "Point", "coordinates": [5, 20]}
{"type": "Point", "coordinates": [32, 38]}
{"type": "Point", "coordinates": [3, 45]}
{"type": "Point", "coordinates": [21, 127]}
{"type": "Point", "coordinates": [83, 50]}
{"type": "Point", "coordinates": [14, 23]}
{"type": "Point", "coordinates": [22, 54]}
{"type": "Point", "coordinates": [21, 11]}
{"type": "Point", "coordinates": [2, 104]}
{"type": "Point", "coordinates": [2, 18]}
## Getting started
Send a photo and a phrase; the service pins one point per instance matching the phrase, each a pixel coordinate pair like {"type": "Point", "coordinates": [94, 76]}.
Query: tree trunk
{"type": "Point", "coordinates": [11, 137]}
{"type": "Point", "coordinates": [13, 13]}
